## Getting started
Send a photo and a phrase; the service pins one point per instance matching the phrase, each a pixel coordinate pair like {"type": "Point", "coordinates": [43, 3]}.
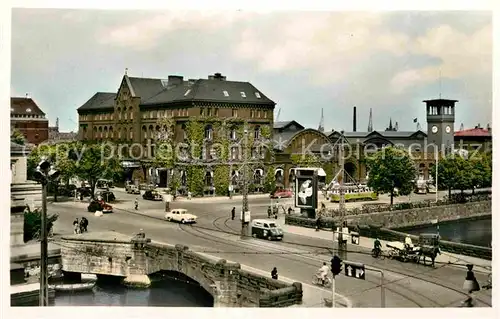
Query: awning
{"type": "Point", "coordinates": [321, 172]}
{"type": "Point", "coordinates": [278, 170]}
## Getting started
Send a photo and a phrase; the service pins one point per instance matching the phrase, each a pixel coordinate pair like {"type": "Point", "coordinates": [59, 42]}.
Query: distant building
{"type": "Point", "coordinates": [29, 119]}
{"type": "Point", "coordinates": [56, 137]}
{"type": "Point", "coordinates": [477, 138]}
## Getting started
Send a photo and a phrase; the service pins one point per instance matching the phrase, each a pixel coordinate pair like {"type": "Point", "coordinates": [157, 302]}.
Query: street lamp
{"type": "Point", "coordinates": [43, 174]}
{"type": "Point", "coordinates": [244, 208]}
{"type": "Point", "coordinates": [342, 245]}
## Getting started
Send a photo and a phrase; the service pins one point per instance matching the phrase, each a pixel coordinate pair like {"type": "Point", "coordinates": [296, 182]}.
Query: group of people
{"type": "Point", "coordinates": [80, 226]}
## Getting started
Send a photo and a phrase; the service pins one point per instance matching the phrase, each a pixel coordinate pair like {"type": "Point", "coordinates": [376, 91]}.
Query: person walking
{"type": "Point", "coordinates": [136, 203]}
{"type": "Point", "coordinates": [85, 223]}
{"type": "Point", "coordinates": [76, 226]}
{"type": "Point", "coordinates": [274, 273]}
{"type": "Point", "coordinates": [269, 212]}
{"type": "Point", "coordinates": [233, 213]}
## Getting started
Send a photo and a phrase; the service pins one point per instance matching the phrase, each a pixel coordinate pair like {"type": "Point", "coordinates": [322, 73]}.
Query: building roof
{"type": "Point", "coordinates": [209, 90]}
{"type": "Point", "coordinates": [284, 124]}
{"type": "Point", "coordinates": [153, 91]}
{"type": "Point", "coordinates": [386, 134]}
{"type": "Point", "coordinates": [24, 106]}
{"type": "Point", "coordinates": [100, 100]}
{"type": "Point", "coordinates": [17, 149]}
{"type": "Point", "coordinates": [474, 132]}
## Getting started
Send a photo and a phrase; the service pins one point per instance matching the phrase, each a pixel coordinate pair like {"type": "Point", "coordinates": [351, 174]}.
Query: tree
{"type": "Point", "coordinates": [95, 161]}
{"type": "Point", "coordinates": [33, 223]}
{"type": "Point", "coordinates": [481, 171]}
{"type": "Point", "coordinates": [17, 137]}
{"type": "Point", "coordinates": [391, 168]}
{"type": "Point", "coordinates": [460, 172]}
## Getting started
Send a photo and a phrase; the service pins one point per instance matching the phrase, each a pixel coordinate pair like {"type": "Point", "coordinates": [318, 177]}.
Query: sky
{"type": "Point", "coordinates": [304, 61]}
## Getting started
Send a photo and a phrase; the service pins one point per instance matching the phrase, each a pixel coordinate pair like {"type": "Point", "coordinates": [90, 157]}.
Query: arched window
{"type": "Point", "coordinates": [256, 132]}
{"type": "Point", "coordinates": [278, 176]}
{"type": "Point", "coordinates": [209, 176]}
{"type": "Point", "coordinates": [119, 134]}
{"type": "Point", "coordinates": [234, 177]}
{"type": "Point", "coordinates": [131, 134]}
{"type": "Point", "coordinates": [184, 132]}
{"type": "Point", "coordinates": [144, 132]}
{"type": "Point", "coordinates": [100, 132]}
{"type": "Point", "coordinates": [158, 132]}
{"type": "Point", "coordinates": [208, 132]}
{"type": "Point", "coordinates": [257, 176]}
{"type": "Point", "coordinates": [131, 110]}
{"type": "Point", "coordinates": [151, 131]}
{"type": "Point", "coordinates": [111, 132]}
{"type": "Point", "coordinates": [183, 178]}
{"type": "Point", "coordinates": [106, 132]}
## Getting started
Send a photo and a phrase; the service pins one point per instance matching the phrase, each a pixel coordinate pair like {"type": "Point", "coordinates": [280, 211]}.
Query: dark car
{"type": "Point", "coordinates": [152, 195]}
{"type": "Point", "coordinates": [99, 205]}
{"type": "Point", "coordinates": [85, 191]}
{"type": "Point", "coordinates": [106, 196]}
{"type": "Point", "coordinates": [66, 190]}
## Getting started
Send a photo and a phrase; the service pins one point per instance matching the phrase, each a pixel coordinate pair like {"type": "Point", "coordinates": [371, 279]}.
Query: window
{"type": "Point", "coordinates": [234, 153]}
{"type": "Point", "coordinates": [216, 112]}
{"type": "Point", "coordinates": [256, 132]}
{"type": "Point", "coordinates": [257, 94]}
{"type": "Point", "coordinates": [202, 112]}
{"type": "Point", "coordinates": [112, 117]}
{"type": "Point", "coordinates": [225, 93]}
{"type": "Point", "coordinates": [235, 112]}
{"type": "Point", "coordinates": [258, 114]}
{"type": "Point", "coordinates": [150, 114]}
{"type": "Point", "coordinates": [183, 178]}
{"type": "Point", "coordinates": [252, 113]}
{"type": "Point", "coordinates": [208, 132]}
{"type": "Point", "coordinates": [131, 115]}
{"type": "Point", "coordinates": [265, 114]}
{"type": "Point", "coordinates": [232, 134]}
{"type": "Point", "coordinates": [243, 94]}
{"type": "Point", "coordinates": [208, 179]}
{"type": "Point", "coordinates": [209, 112]}
{"type": "Point", "coordinates": [184, 132]}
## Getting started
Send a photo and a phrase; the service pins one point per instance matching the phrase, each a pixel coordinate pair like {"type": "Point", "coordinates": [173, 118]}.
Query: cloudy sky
{"type": "Point", "coordinates": [305, 62]}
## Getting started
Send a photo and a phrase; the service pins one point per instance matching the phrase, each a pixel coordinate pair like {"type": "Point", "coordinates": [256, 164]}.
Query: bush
{"type": "Point", "coordinates": [326, 222]}
{"type": "Point", "coordinates": [33, 223]}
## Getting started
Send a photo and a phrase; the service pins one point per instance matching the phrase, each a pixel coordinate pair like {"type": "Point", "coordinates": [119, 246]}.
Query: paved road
{"type": "Point", "coordinates": [297, 258]}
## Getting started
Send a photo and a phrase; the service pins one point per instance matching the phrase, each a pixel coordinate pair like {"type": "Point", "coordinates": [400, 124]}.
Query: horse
{"type": "Point", "coordinates": [430, 252]}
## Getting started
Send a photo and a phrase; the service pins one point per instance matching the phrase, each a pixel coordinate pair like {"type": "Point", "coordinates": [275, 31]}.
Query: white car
{"type": "Point", "coordinates": [180, 216]}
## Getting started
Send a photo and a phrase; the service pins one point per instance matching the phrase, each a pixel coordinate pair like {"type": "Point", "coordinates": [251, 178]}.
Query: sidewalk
{"type": "Point", "coordinates": [481, 265]}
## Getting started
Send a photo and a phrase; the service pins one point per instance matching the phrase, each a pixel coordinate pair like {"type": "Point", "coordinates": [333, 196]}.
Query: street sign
{"type": "Point", "coordinates": [354, 238]}
{"type": "Point", "coordinates": [353, 269]}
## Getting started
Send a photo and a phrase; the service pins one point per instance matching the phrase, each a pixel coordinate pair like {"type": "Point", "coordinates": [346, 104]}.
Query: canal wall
{"type": "Point", "coordinates": [401, 218]}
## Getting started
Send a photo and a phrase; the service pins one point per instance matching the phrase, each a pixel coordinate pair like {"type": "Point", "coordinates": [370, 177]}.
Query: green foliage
{"type": "Point", "coordinates": [391, 168]}
{"type": "Point", "coordinates": [328, 168]}
{"type": "Point", "coordinates": [270, 179]}
{"type": "Point", "coordinates": [17, 137]}
{"type": "Point", "coordinates": [95, 161]}
{"type": "Point", "coordinates": [221, 179]}
{"type": "Point", "coordinates": [481, 168]}
{"type": "Point", "coordinates": [33, 223]}
{"type": "Point", "coordinates": [196, 179]}
{"type": "Point", "coordinates": [305, 160]}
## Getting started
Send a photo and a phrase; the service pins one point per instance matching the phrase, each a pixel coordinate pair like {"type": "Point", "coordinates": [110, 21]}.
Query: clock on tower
{"type": "Point", "coordinates": [440, 122]}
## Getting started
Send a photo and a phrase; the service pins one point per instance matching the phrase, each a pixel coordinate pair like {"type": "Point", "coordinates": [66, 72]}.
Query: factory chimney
{"type": "Point", "coordinates": [354, 120]}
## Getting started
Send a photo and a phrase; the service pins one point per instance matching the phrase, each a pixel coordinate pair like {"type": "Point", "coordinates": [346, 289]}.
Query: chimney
{"type": "Point", "coordinates": [217, 76]}
{"type": "Point", "coordinates": [174, 80]}
{"type": "Point", "coordinates": [488, 127]}
{"type": "Point", "coordinates": [27, 95]}
{"type": "Point", "coordinates": [354, 120]}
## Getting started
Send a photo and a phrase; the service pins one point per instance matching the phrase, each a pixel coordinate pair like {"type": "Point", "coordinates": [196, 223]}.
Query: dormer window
{"type": "Point", "coordinates": [28, 110]}
{"type": "Point", "coordinates": [208, 132]}
{"type": "Point", "coordinates": [257, 94]}
{"type": "Point", "coordinates": [187, 92]}
{"type": "Point", "coordinates": [225, 93]}
{"type": "Point", "coordinates": [243, 94]}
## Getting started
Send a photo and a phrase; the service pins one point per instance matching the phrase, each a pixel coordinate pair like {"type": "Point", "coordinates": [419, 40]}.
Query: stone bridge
{"type": "Point", "coordinates": [135, 258]}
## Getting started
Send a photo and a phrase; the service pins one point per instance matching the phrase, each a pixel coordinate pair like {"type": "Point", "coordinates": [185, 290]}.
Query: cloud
{"type": "Point", "coordinates": [146, 33]}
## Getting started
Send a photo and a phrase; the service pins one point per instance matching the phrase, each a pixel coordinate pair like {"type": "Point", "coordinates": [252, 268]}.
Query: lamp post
{"type": "Point", "coordinates": [43, 174]}
{"type": "Point", "coordinates": [341, 244]}
{"type": "Point", "coordinates": [244, 208]}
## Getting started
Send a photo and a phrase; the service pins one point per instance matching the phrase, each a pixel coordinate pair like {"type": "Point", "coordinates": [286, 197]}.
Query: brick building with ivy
{"type": "Point", "coordinates": [186, 134]}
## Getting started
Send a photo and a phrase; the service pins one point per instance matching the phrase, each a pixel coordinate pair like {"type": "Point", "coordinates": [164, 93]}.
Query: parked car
{"type": "Point", "coordinates": [181, 216]}
{"type": "Point", "coordinates": [106, 196]}
{"type": "Point", "coordinates": [100, 205]}
{"type": "Point", "coordinates": [152, 195]}
{"type": "Point", "coordinates": [282, 193]}
{"type": "Point", "coordinates": [66, 190]}
{"type": "Point", "coordinates": [133, 189]}
{"type": "Point", "coordinates": [266, 228]}
{"type": "Point", "coordinates": [85, 191]}
{"type": "Point", "coordinates": [104, 183]}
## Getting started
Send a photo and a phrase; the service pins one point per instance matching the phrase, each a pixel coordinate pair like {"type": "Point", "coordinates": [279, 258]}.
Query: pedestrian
{"type": "Point", "coordinates": [269, 212]}
{"type": "Point", "coordinates": [318, 223]}
{"type": "Point", "coordinates": [233, 213]}
{"type": "Point", "coordinates": [290, 210]}
{"type": "Point", "coordinates": [76, 226]}
{"type": "Point", "coordinates": [85, 224]}
{"type": "Point", "coordinates": [189, 195]}
{"type": "Point", "coordinates": [136, 203]}
{"type": "Point", "coordinates": [274, 273]}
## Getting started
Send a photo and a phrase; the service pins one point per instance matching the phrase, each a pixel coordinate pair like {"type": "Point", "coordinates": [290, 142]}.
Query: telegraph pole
{"type": "Point", "coordinates": [44, 283]}
{"type": "Point", "coordinates": [244, 208]}
{"type": "Point", "coordinates": [341, 244]}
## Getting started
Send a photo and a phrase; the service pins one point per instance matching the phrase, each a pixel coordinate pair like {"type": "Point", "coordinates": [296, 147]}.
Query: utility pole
{"type": "Point", "coordinates": [43, 173]}
{"type": "Point", "coordinates": [341, 244]}
{"type": "Point", "coordinates": [244, 208]}
{"type": "Point", "coordinates": [437, 164]}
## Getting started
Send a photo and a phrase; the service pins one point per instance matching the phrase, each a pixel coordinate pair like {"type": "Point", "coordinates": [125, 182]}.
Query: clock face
{"type": "Point", "coordinates": [448, 129]}
{"type": "Point", "coordinates": [434, 129]}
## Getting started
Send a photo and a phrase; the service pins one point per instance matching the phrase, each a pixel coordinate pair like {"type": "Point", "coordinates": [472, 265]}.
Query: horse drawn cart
{"type": "Point", "coordinates": [402, 251]}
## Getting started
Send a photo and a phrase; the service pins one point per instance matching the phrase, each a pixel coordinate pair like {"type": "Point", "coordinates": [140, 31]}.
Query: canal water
{"type": "Point", "coordinates": [162, 293]}
{"type": "Point", "coordinates": [473, 231]}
